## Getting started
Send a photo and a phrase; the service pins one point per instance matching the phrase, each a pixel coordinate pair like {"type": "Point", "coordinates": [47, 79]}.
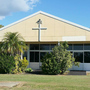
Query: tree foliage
{"type": "Point", "coordinates": [58, 61]}
{"type": "Point", "coordinates": [1, 26]}
{"type": "Point", "coordinates": [12, 43]}
{"type": "Point", "coordinates": [20, 65]}
{"type": "Point", "coordinates": [24, 64]}
{"type": "Point", "coordinates": [49, 64]}
{"type": "Point", "coordinates": [7, 62]}
{"type": "Point", "coordinates": [12, 46]}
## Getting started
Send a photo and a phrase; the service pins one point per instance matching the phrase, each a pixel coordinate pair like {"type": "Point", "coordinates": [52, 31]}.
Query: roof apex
{"type": "Point", "coordinates": [49, 15]}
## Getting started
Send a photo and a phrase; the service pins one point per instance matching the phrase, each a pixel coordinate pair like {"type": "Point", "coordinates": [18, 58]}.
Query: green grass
{"type": "Point", "coordinates": [47, 82]}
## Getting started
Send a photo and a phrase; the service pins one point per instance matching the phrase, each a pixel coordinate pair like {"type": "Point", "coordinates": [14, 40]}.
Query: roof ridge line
{"type": "Point", "coordinates": [20, 20]}
{"type": "Point", "coordinates": [49, 15]}
{"type": "Point", "coordinates": [66, 21]}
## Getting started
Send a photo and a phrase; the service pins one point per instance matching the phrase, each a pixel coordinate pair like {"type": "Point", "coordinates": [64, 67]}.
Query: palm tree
{"type": "Point", "coordinates": [13, 43]}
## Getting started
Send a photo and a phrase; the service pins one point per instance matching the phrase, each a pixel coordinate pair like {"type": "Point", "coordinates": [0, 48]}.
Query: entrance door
{"type": "Point", "coordinates": [34, 60]}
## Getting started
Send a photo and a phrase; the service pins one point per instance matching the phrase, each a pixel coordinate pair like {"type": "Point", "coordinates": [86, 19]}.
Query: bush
{"type": "Point", "coordinates": [58, 61]}
{"type": "Point", "coordinates": [24, 64]}
{"type": "Point", "coordinates": [7, 62]}
{"type": "Point", "coordinates": [16, 68]}
{"type": "Point", "coordinates": [28, 70]}
{"type": "Point", "coordinates": [20, 65]}
{"type": "Point", "coordinates": [49, 64]}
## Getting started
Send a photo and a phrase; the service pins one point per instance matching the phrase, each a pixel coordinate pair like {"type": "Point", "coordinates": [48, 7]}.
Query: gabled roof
{"type": "Point", "coordinates": [49, 15]}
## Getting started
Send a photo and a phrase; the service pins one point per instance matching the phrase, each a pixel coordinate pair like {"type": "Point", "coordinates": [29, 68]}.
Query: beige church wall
{"type": "Point", "coordinates": [49, 24]}
{"type": "Point", "coordinates": [59, 28]}
{"type": "Point", "coordinates": [64, 29]}
{"type": "Point", "coordinates": [20, 27]}
{"type": "Point", "coordinates": [80, 32]}
{"type": "Point", "coordinates": [69, 30]}
{"type": "Point", "coordinates": [87, 36]}
{"type": "Point", "coordinates": [24, 28]}
{"type": "Point", "coordinates": [55, 32]}
{"type": "Point", "coordinates": [51, 39]}
{"type": "Point", "coordinates": [31, 23]}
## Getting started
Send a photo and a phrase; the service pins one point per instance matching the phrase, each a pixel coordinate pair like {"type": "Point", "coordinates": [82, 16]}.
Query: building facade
{"type": "Point", "coordinates": [43, 31]}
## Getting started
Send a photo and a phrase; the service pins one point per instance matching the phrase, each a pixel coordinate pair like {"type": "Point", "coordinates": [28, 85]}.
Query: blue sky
{"type": "Point", "coordinates": [77, 11]}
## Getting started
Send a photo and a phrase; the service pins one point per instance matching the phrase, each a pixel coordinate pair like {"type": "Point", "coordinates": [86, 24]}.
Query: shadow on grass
{"type": "Point", "coordinates": [39, 72]}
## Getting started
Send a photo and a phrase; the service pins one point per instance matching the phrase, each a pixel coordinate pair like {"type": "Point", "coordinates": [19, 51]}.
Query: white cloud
{"type": "Point", "coordinates": [9, 6]}
{"type": "Point", "coordinates": [2, 17]}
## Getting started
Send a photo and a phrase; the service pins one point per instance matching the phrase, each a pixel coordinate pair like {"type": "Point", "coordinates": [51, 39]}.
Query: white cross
{"type": "Point", "coordinates": [39, 22]}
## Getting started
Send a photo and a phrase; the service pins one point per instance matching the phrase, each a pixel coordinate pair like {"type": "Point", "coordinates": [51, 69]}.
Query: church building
{"type": "Point", "coordinates": [42, 31]}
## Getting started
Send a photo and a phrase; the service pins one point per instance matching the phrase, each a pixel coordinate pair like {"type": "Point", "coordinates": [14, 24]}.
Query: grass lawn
{"type": "Point", "coordinates": [47, 82]}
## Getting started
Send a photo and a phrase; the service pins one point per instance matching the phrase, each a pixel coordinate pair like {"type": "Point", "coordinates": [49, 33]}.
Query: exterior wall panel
{"type": "Point", "coordinates": [56, 29]}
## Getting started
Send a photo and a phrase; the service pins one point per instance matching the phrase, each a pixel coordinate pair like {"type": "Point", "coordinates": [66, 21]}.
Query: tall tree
{"type": "Point", "coordinates": [1, 26]}
{"type": "Point", "coordinates": [13, 43]}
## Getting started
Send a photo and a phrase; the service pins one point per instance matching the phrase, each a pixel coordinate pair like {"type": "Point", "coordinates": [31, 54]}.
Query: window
{"type": "Point", "coordinates": [34, 56]}
{"type": "Point", "coordinates": [42, 54]}
{"type": "Point", "coordinates": [37, 50]}
{"type": "Point", "coordinates": [44, 46]}
{"type": "Point", "coordinates": [34, 46]}
{"type": "Point", "coordinates": [52, 46]}
{"type": "Point", "coordinates": [86, 46]}
{"type": "Point", "coordinates": [78, 56]}
{"type": "Point", "coordinates": [86, 57]}
{"type": "Point", "coordinates": [70, 47]}
{"type": "Point", "coordinates": [78, 46]}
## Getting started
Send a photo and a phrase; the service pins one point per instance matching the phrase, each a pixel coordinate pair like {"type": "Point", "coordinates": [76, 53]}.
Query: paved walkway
{"type": "Point", "coordinates": [8, 84]}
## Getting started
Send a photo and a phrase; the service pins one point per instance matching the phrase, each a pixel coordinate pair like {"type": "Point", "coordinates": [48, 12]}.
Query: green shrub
{"type": "Point", "coordinates": [58, 61]}
{"type": "Point", "coordinates": [17, 68]}
{"type": "Point", "coordinates": [28, 70]}
{"type": "Point", "coordinates": [24, 64]}
{"type": "Point", "coordinates": [50, 64]}
{"type": "Point", "coordinates": [7, 62]}
{"type": "Point", "coordinates": [20, 65]}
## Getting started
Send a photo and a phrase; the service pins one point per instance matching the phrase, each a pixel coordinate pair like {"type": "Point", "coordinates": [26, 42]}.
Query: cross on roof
{"type": "Point", "coordinates": [39, 22]}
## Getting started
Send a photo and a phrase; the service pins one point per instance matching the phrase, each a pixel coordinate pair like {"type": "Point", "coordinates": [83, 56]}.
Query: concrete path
{"type": "Point", "coordinates": [8, 84]}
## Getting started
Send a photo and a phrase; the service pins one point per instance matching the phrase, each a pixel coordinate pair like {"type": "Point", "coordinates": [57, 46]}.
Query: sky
{"type": "Point", "coordinates": [77, 11]}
